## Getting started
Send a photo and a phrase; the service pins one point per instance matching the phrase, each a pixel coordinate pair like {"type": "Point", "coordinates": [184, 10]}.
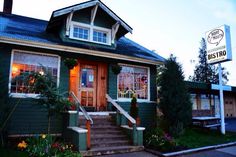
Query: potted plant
{"type": "Point", "coordinates": [66, 105]}
{"type": "Point", "coordinates": [116, 68]}
{"type": "Point", "coordinates": [70, 62]}
{"type": "Point", "coordinates": [134, 111]}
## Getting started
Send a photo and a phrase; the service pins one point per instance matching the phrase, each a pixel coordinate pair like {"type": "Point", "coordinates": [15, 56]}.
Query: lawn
{"type": "Point", "coordinates": [196, 137]}
{"type": "Point", "coordinates": [12, 153]}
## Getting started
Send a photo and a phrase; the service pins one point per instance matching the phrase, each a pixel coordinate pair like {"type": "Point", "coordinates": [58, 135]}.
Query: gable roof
{"type": "Point", "coordinates": [67, 10]}
{"type": "Point", "coordinates": [20, 30]}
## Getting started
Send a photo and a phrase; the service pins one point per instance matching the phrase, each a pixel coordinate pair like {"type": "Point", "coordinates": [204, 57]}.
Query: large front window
{"type": "Point", "coordinates": [133, 80]}
{"type": "Point", "coordinates": [25, 62]}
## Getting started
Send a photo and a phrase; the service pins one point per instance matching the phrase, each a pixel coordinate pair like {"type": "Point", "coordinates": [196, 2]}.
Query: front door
{"type": "Point", "coordinates": [87, 85]}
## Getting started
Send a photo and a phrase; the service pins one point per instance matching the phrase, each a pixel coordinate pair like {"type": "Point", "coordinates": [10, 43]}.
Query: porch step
{"type": "Point", "coordinates": [101, 144]}
{"type": "Point", "coordinates": [106, 137]}
{"type": "Point", "coordinates": [101, 137]}
{"type": "Point", "coordinates": [111, 150]}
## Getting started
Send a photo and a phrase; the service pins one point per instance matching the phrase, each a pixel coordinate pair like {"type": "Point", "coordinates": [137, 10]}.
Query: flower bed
{"type": "Point", "coordinates": [46, 145]}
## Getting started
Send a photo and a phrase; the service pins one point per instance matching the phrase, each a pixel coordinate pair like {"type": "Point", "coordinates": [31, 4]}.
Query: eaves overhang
{"type": "Point", "coordinates": [69, 49]}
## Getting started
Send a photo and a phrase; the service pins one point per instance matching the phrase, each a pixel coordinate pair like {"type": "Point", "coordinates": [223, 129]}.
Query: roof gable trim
{"type": "Point", "coordinates": [90, 4]}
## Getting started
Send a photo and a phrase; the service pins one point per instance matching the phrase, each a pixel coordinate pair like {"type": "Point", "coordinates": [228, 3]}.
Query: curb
{"type": "Point", "coordinates": [183, 152]}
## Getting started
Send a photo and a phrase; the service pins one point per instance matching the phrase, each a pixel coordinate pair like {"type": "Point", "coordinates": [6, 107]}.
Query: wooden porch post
{"type": "Point", "coordinates": [88, 126]}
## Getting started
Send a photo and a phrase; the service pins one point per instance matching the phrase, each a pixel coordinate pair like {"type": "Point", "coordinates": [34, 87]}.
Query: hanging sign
{"type": "Point", "coordinates": [218, 45]}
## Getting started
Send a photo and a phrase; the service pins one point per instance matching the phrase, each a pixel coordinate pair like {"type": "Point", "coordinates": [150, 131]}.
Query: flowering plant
{"type": "Point", "coordinates": [158, 139]}
{"type": "Point", "coordinates": [66, 105]}
{"type": "Point", "coordinates": [22, 145]}
{"type": "Point", "coordinates": [44, 146]}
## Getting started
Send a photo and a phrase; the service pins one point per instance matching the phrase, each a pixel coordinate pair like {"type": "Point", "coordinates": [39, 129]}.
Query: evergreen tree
{"type": "Point", "coordinates": [205, 72]}
{"type": "Point", "coordinates": [175, 101]}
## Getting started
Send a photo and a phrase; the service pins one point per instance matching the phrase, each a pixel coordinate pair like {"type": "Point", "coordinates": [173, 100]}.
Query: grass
{"type": "Point", "coordinates": [196, 137]}
{"type": "Point", "coordinates": [12, 153]}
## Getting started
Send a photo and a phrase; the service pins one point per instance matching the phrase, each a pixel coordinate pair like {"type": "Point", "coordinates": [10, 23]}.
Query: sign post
{"type": "Point", "coordinates": [219, 50]}
{"type": "Point", "coordinates": [222, 114]}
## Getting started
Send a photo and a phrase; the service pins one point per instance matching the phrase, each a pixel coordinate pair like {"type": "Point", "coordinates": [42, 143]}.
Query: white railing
{"type": "Point", "coordinates": [86, 115]}
{"type": "Point", "coordinates": [120, 109]}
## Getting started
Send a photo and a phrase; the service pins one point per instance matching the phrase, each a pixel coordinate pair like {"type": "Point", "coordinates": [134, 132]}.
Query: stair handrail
{"type": "Point", "coordinates": [86, 115]}
{"type": "Point", "coordinates": [120, 109]}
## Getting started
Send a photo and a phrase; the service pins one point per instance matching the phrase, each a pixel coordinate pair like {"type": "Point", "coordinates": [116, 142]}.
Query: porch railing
{"type": "Point", "coordinates": [120, 109]}
{"type": "Point", "coordinates": [89, 120]}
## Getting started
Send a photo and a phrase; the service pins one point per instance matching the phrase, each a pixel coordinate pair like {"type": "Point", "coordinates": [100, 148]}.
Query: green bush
{"type": "Point", "coordinates": [134, 108]}
{"type": "Point", "coordinates": [159, 140]}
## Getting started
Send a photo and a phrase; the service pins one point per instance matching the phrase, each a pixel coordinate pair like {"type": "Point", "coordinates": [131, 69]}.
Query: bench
{"type": "Point", "coordinates": [212, 125]}
{"type": "Point", "coordinates": [206, 122]}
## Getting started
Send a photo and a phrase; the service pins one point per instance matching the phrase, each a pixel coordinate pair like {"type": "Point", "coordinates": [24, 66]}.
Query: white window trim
{"type": "Point", "coordinates": [129, 99]}
{"type": "Point", "coordinates": [28, 95]}
{"type": "Point", "coordinates": [91, 28]}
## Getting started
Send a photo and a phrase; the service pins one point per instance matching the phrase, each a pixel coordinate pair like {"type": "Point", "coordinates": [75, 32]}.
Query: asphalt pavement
{"type": "Point", "coordinates": [222, 152]}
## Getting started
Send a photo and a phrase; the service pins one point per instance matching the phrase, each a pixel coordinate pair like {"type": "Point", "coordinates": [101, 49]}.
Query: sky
{"type": "Point", "coordinates": [165, 26]}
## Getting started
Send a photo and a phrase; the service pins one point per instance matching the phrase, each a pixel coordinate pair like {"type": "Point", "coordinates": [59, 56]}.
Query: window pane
{"type": "Point", "coordinates": [133, 80]}
{"type": "Point", "coordinates": [26, 63]}
{"type": "Point", "coordinates": [80, 32]}
{"type": "Point", "coordinates": [99, 36]}
{"type": "Point", "coordinates": [87, 79]}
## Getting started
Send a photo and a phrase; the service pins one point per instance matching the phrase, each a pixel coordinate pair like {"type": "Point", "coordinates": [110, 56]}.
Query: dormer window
{"type": "Point", "coordinates": [99, 36]}
{"type": "Point", "coordinates": [86, 32]}
{"type": "Point", "coordinates": [81, 33]}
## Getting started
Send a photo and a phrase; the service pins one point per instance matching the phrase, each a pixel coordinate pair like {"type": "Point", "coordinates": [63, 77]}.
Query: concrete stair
{"type": "Point", "coordinates": [107, 138]}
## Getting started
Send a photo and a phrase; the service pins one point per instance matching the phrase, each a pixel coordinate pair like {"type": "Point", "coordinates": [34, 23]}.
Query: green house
{"type": "Point", "coordinates": [92, 34]}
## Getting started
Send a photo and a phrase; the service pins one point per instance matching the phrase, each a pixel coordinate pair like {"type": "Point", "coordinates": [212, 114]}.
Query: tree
{"type": "Point", "coordinates": [175, 101]}
{"type": "Point", "coordinates": [44, 84]}
{"type": "Point", "coordinates": [205, 72]}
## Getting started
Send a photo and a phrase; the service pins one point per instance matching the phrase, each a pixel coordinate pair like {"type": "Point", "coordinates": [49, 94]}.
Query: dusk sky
{"type": "Point", "coordinates": [166, 26]}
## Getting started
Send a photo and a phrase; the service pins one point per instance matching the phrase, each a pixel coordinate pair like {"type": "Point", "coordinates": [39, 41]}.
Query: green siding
{"type": "Point", "coordinates": [82, 16]}
{"type": "Point", "coordinates": [112, 83]}
{"type": "Point", "coordinates": [102, 19]}
{"type": "Point", "coordinates": [4, 78]}
{"type": "Point", "coordinates": [64, 77]}
{"type": "Point", "coordinates": [30, 117]}
{"type": "Point", "coordinates": [147, 112]}
{"type": "Point", "coordinates": [153, 86]}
